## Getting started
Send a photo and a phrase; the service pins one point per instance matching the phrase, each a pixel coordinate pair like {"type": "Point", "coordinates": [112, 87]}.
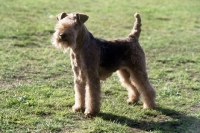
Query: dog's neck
{"type": "Point", "coordinates": [82, 36]}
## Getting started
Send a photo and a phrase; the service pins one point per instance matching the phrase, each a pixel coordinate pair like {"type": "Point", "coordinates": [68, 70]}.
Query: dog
{"type": "Point", "coordinates": [95, 59]}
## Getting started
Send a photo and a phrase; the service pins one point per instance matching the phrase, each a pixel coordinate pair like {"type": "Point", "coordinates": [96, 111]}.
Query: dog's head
{"type": "Point", "coordinates": [67, 29]}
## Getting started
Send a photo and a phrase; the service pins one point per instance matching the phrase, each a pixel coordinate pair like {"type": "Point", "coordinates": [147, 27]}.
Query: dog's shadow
{"type": "Point", "coordinates": [175, 124]}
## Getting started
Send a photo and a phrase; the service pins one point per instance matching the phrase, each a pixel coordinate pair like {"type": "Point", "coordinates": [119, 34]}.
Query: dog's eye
{"type": "Point", "coordinates": [76, 26]}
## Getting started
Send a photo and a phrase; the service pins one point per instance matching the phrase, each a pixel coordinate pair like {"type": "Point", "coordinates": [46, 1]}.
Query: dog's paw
{"type": "Point", "coordinates": [90, 114]}
{"type": "Point", "coordinates": [77, 108]}
{"type": "Point", "coordinates": [149, 105]}
{"type": "Point", "coordinates": [132, 101]}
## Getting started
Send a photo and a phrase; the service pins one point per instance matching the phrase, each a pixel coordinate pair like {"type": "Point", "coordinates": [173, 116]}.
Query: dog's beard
{"type": "Point", "coordinates": [64, 45]}
{"type": "Point", "coordinates": [56, 42]}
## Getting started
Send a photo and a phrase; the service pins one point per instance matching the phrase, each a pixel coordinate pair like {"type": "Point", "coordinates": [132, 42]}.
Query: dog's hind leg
{"type": "Point", "coordinates": [133, 94]}
{"type": "Point", "coordinates": [141, 81]}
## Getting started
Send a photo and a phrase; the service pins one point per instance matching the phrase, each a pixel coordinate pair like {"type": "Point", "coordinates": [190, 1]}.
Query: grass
{"type": "Point", "coordinates": [36, 81]}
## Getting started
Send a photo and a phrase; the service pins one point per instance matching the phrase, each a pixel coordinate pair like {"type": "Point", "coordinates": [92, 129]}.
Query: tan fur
{"type": "Point", "coordinates": [96, 59]}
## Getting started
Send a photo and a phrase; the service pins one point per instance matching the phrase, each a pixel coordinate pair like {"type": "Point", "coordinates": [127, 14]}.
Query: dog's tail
{"type": "Point", "coordinates": [135, 33]}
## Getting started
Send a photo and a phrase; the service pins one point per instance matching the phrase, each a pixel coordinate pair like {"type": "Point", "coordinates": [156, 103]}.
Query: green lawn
{"type": "Point", "coordinates": [36, 81]}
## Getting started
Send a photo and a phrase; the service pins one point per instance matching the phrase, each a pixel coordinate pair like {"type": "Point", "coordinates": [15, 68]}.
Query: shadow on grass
{"type": "Point", "coordinates": [178, 122]}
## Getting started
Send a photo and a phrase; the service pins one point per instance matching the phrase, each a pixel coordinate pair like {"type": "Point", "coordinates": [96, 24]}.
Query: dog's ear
{"type": "Point", "coordinates": [61, 16]}
{"type": "Point", "coordinates": [81, 18]}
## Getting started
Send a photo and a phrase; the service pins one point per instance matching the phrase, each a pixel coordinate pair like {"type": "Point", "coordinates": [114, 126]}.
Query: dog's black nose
{"type": "Point", "coordinates": [63, 36]}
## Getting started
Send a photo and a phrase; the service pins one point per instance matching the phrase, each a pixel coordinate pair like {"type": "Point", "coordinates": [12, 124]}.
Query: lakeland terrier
{"type": "Point", "coordinates": [95, 59]}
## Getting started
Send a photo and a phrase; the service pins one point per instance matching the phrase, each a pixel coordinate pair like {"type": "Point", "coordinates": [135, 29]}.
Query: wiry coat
{"type": "Point", "coordinates": [93, 59]}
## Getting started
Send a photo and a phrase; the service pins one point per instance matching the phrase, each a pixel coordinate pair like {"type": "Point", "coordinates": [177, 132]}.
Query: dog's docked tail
{"type": "Point", "coordinates": [135, 33]}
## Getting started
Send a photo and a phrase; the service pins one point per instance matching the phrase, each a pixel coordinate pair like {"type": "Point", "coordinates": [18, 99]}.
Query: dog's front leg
{"type": "Point", "coordinates": [79, 85]}
{"type": "Point", "coordinates": [93, 94]}
{"type": "Point", "coordinates": [79, 88]}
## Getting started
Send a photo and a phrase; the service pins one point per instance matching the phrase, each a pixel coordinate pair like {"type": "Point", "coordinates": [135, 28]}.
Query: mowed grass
{"type": "Point", "coordinates": [36, 81]}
